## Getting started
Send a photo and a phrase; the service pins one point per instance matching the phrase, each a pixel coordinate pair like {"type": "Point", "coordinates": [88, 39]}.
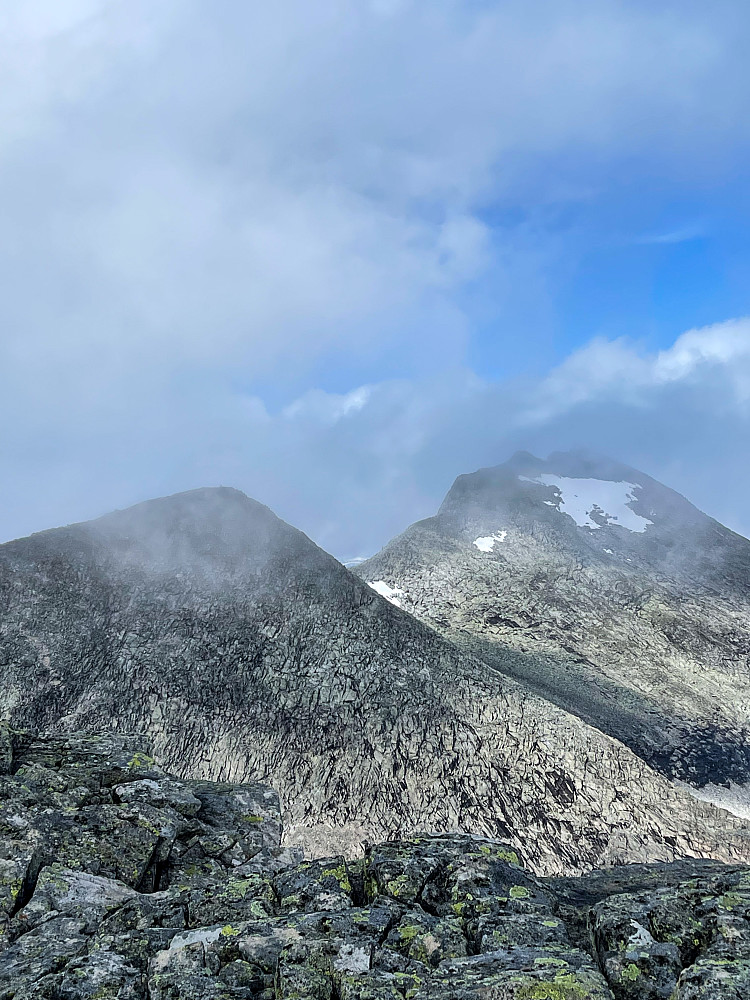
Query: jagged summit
{"type": "Point", "coordinates": [205, 504]}
{"type": "Point", "coordinates": [600, 511]}
{"type": "Point", "coordinates": [213, 511]}
{"type": "Point", "coordinates": [602, 590]}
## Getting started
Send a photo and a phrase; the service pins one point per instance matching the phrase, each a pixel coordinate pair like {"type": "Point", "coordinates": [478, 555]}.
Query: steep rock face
{"type": "Point", "coordinates": [601, 590]}
{"type": "Point", "coordinates": [121, 882]}
{"type": "Point", "coordinates": [247, 653]}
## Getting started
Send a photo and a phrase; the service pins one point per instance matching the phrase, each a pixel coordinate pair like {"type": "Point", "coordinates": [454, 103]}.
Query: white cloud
{"type": "Point", "coordinates": [685, 234]}
{"type": "Point", "coordinates": [353, 469]}
{"type": "Point", "coordinates": [200, 200]}
{"type": "Point", "coordinates": [725, 346]}
{"type": "Point", "coordinates": [617, 370]}
{"type": "Point", "coordinates": [327, 407]}
{"type": "Point", "coordinates": [254, 185]}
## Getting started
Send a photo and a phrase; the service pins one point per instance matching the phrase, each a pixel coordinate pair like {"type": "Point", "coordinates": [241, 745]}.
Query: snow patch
{"type": "Point", "coordinates": [580, 498]}
{"type": "Point", "coordinates": [391, 594]}
{"type": "Point", "coordinates": [487, 542]}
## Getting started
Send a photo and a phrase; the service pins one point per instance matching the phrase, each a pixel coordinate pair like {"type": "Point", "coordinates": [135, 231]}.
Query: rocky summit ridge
{"type": "Point", "coordinates": [119, 881]}
{"type": "Point", "coordinates": [245, 653]}
{"type": "Point", "coordinates": [604, 592]}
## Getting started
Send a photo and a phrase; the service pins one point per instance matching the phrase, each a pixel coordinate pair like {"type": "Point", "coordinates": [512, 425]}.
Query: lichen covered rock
{"type": "Point", "coordinates": [124, 883]}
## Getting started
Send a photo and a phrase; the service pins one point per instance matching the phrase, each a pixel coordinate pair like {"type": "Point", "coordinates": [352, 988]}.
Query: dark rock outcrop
{"type": "Point", "coordinates": [120, 882]}
{"type": "Point", "coordinates": [604, 592]}
{"type": "Point", "coordinates": [246, 653]}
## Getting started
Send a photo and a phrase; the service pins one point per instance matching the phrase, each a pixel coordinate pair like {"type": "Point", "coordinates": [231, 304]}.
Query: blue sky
{"type": "Point", "coordinates": [337, 254]}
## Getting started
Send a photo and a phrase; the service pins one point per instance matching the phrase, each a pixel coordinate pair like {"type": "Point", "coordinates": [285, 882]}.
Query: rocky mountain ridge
{"type": "Point", "coordinates": [245, 653]}
{"type": "Point", "coordinates": [119, 881]}
{"type": "Point", "coordinates": [601, 590]}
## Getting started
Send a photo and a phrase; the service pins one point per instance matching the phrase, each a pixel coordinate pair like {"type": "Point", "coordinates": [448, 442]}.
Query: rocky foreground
{"type": "Point", "coordinates": [119, 881]}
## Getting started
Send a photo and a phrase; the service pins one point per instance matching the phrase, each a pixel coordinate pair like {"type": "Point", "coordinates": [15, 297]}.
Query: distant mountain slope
{"type": "Point", "coordinates": [248, 653]}
{"type": "Point", "coordinates": [600, 589]}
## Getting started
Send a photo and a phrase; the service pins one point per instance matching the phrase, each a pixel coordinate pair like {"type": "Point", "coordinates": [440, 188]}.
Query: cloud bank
{"type": "Point", "coordinates": [252, 244]}
{"type": "Point", "coordinates": [353, 469]}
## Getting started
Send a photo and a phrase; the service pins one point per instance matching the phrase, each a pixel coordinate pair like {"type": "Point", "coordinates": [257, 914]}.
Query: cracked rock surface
{"type": "Point", "coordinates": [120, 882]}
{"type": "Point", "coordinates": [245, 653]}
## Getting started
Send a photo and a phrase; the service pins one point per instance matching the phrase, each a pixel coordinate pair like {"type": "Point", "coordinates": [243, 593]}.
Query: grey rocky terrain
{"type": "Point", "coordinates": [245, 653]}
{"type": "Point", "coordinates": [121, 882]}
{"type": "Point", "coordinates": [603, 591]}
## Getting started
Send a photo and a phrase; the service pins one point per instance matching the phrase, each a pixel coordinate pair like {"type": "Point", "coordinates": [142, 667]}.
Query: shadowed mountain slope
{"type": "Point", "coordinates": [601, 590]}
{"type": "Point", "coordinates": [247, 653]}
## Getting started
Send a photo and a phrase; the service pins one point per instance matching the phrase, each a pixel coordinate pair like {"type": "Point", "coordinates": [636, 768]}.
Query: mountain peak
{"type": "Point", "coordinates": [204, 532]}
{"type": "Point", "coordinates": [570, 493]}
{"type": "Point", "coordinates": [600, 588]}
{"type": "Point", "coordinates": [246, 652]}
{"type": "Point", "coordinates": [576, 463]}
